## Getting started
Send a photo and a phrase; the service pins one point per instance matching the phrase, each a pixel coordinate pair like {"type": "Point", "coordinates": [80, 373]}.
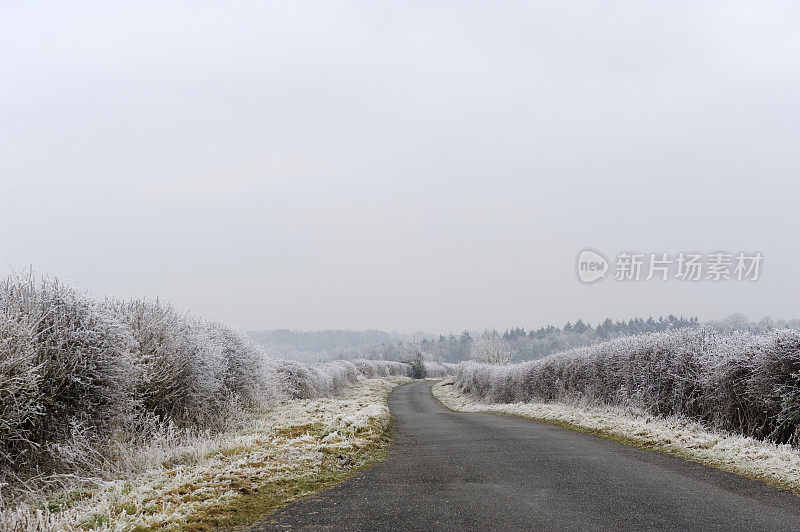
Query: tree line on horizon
{"type": "Point", "coordinates": [527, 344]}
{"type": "Point", "coordinates": [537, 343]}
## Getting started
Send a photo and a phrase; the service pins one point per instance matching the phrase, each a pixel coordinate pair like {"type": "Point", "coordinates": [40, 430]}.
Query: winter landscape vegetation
{"type": "Point", "coordinates": [93, 391]}
{"type": "Point", "coordinates": [418, 265]}
{"type": "Point", "coordinates": [122, 414]}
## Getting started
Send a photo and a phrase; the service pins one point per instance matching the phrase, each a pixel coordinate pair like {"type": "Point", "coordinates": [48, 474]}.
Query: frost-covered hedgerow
{"type": "Point", "coordinates": [84, 381]}
{"type": "Point", "coordinates": [743, 383]}
{"type": "Point", "coordinates": [436, 370]}
{"type": "Point", "coordinates": [307, 381]}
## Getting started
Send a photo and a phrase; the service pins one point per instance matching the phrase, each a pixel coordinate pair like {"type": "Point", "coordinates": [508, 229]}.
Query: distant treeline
{"type": "Point", "coordinates": [527, 344]}
{"type": "Point", "coordinates": [319, 346]}
{"type": "Point", "coordinates": [537, 343]}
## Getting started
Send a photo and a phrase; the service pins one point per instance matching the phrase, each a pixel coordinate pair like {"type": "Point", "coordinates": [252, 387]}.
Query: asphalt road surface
{"type": "Point", "coordinates": [468, 471]}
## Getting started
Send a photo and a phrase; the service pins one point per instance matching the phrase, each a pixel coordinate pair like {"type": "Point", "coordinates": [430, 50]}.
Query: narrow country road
{"type": "Point", "coordinates": [468, 471]}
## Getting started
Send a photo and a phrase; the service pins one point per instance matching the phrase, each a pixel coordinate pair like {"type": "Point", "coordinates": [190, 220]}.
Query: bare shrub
{"type": "Point", "coordinates": [435, 370]}
{"type": "Point", "coordinates": [66, 379]}
{"type": "Point", "coordinates": [490, 348]}
{"type": "Point", "coordinates": [411, 353]}
{"type": "Point", "coordinates": [365, 367]}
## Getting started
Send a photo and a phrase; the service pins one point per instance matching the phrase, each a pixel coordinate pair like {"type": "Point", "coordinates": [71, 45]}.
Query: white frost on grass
{"type": "Point", "coordinates": [286, 442]}
{"type": "Point", "coordinates": [778, 465]}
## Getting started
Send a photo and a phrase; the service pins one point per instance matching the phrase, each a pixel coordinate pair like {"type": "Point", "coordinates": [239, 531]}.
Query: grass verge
{"type": "Point", "coordinates": [259, 499]}
{"type": "Point", "coordinates": [232, 480]}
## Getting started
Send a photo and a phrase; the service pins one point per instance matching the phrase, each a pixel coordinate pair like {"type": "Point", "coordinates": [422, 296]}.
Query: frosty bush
{"type": "Point", "coordinates": [83, 382]}
{"type": "Point", "coordinates": [307, 381]}
{"type": "Point", "coordinates": [490, 348]}
{"type": "Point", "coordinates": [743, 383]}
{"type": "Point", "coordinates": [66, 378]}
{"type": "Point", "coordinates": [436, 370]}
{"type": "Point", "coordinates": [412, 354]}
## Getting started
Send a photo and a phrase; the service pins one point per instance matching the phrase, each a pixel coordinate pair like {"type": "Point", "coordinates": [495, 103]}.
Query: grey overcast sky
{"type": "Point", "coordinates": [416, 165]}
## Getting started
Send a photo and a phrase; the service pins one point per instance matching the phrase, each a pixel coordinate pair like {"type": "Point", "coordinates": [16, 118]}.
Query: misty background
{"type": "Point", "coordinates": [400, 166]}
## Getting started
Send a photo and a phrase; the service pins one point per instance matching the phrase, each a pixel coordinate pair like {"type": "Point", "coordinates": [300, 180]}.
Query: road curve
{"type": "Point", "coordinates": [469, 471]}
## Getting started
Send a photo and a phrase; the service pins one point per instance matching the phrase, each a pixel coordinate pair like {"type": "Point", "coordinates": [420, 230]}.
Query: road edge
{"type": "Point", "coordinates": [757, 461]}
